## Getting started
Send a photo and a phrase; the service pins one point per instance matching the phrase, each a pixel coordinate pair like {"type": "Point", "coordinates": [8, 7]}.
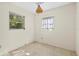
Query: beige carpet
{"type": "Point", "coordinates": [40, 49]}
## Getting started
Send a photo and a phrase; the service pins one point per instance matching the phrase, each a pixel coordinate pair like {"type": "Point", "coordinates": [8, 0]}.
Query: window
{"type": "Point", "coordinates": [48, 23]}
{"type": "Point", "coordinates": [16, 21]}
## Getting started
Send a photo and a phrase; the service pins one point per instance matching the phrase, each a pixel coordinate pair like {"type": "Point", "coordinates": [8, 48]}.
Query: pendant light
{"type": "Point", "coordinates": [39, 9]}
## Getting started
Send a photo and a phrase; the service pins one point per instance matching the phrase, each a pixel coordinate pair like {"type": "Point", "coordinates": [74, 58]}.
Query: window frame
{"type": "Point", "coordinates": [47, 24]}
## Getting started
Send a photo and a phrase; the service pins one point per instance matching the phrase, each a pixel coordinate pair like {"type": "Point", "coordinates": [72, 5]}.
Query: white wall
{"type": "Point", "coordinates": [12, 39]}
{"type": "Point", "coordinates": [63, 35]}
{"type": "Point", "coordinates": [77, 30]}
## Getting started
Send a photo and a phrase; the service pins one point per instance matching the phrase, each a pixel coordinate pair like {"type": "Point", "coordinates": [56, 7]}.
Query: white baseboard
{"type": "Point", "coordinates": [3, 53]}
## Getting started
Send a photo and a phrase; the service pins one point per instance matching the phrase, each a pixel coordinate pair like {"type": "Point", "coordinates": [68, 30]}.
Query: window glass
{"type": "Point", "coordinates": [48, 23]}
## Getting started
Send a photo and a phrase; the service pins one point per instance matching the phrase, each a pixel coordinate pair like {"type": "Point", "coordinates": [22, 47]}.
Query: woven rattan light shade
{"type": "Point", "coordinates": [39, 9]}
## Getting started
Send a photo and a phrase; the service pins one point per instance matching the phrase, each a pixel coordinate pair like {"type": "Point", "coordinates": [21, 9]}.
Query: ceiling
{"type": "Point", "coordinates": [31, 6]}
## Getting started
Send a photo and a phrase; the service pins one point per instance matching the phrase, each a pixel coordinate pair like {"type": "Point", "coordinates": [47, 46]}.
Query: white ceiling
{"type": "Point", "coordinates": [31, 6]}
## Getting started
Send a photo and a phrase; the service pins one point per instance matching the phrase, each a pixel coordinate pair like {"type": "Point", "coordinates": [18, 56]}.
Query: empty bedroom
{"type": "Point", "coordinates": [39, 29]}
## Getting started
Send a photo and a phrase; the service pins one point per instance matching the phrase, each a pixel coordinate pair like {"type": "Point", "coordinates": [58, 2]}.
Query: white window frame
{"type": "Point", "coordinates": [47, 25]}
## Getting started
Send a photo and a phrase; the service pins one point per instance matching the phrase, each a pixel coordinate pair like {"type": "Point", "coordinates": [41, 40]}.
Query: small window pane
{"type": "Point", "coordinates": [46, 26]}
{"type": "Point", "coordinates": [51, 26]}
{"type": "Point", "coordinates": [43, 26]}
{"type": "Point", "coordinates": [44, 21]}
{"type": "Point", "coordinates": [49, 21]}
